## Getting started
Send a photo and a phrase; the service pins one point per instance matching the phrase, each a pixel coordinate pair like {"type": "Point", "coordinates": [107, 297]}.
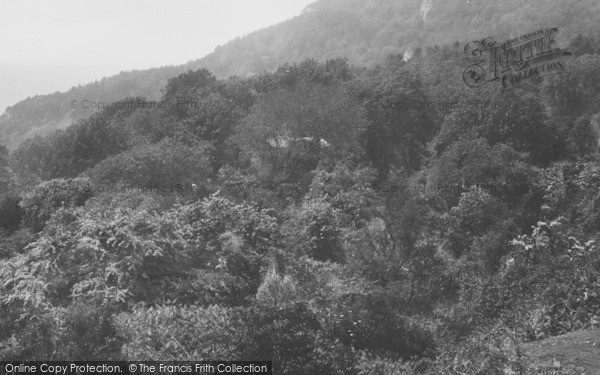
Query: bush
{"type": "Point", "coordinates": [493, 351]}
{"type": "Point", "coordinates": [232, 238]}
{"type": "Point", "coordinates": [276, 290]}
{"type": "Point", "coordinates": [548, 284]}
{"type": "Point", "coordinates": [49, 196]}
{"type": "Point", "coordinates": [285, 335]}
{"type": "Point", "coordinates": [83, 331]}
{"type": "Point", "coordinates": [172, 333]}
{"type": "Point", "coordinates": [312, 231]}
{"type": "Point", "coordinates": [370, 322]}
{"type": "Point", "coordinates": [166, 164]}
{"type": "Point", "coordinates": [16, 242]}
{"type": "Point", "coordinates": [33, 342]}
{"type": "Point", "coordinates": [10, 212]}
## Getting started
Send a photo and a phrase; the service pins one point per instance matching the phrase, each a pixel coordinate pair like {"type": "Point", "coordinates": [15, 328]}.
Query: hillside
{"type": "Point", "coordinates": [363, 31]}
{"type": "Point", "coordinates": [578, 352]}
{"type": "Point", "coordinates": [356, 216]}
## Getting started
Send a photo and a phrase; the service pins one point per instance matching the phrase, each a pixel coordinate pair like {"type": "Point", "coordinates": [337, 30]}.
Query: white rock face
{"type": "Point", "coordinates": [284, 142]}
{"type": "Point", "coordinates": [425, 9]}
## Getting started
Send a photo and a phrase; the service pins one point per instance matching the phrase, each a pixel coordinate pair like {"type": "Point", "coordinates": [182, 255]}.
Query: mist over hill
{"type": "Point", "coordinates": [365, 32]}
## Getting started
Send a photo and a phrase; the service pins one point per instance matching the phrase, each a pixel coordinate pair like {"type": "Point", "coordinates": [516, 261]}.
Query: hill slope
{"type": "Point", "coordinates": [364, 31]}
{"type": "Point", "coordinates": [577, 351]}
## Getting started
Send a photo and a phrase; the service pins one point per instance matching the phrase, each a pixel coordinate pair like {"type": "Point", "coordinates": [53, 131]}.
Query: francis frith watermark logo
{"type": "Point", "coordinates": [516, 62]}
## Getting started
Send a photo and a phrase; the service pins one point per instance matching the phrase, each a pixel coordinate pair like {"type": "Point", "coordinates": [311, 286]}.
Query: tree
{"type": "Point", "coordinates": [291, 130]}
{"type": "Point", "coordinates": [471, 162]}
{"type": "Point", "coordinates": [165, 165]}
{"type": "Point", "coordinates": [50, 196]}
{"type": "Point", "coordinates": [401, 124]}
{"type": "Point", "coordinates": [86, 264]}
{"type": "Point", "coordinates": [339, 201]}
{"type": "Point", "coordinates": [10, 212]}
{"type": "Point", "coordinates": [236, 239]}
{"type": "Point", "coordinates": [182, 90]}
{"type": "Point", "coordinates": [6, 177]}
{"type": "Point", "coordinates": [521, 123]}
{"type": "Point", "coordinates": [172, 333]}
{"type": "Point", "coordinates": [573, 93]}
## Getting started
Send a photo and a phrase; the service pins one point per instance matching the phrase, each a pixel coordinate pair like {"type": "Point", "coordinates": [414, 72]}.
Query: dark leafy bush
{"type": "Point", "coordinates": [84, 331]}
{"type": "Point", "coordinates": [10, 213]}
{"type": "Point", "coordinates": [15, 242]}
{"type": "Point", "coordinates": [169, 333]}
{"type": "Point", "coordinates": [49, 196]}
{"type": "Point", "coordinates": [285, 335]}
{"type": "Point", "coordinates": [166, 164]}
{"type": "Point", "coordinates": [370, 322]}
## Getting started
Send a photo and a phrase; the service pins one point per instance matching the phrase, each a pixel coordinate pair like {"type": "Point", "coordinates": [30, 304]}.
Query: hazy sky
{"type": "Point", "coordinates": [48, 46]}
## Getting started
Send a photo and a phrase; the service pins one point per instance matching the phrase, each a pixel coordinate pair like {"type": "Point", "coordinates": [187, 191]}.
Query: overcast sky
{"type": "Point", "coordinates": [48, 46]}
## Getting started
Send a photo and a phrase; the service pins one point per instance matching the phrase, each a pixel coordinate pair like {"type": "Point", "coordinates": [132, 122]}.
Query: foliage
{"type": "Point", "coordinates": [166, 165]}
{"type": "Point", "coordinates": [275, 289]}
{"type": "Point", "coordinates": [561, 272]}
{"type": "Point", "coordinates": [15, 242]}
{"type": "Point", "coordinates": [320, 226]}
{"type": "Point", "coordinates": [290, 130]}
{"type": "Point", "coordinates": [290, 336]}
{"type": "Point", "coordinates": [10, 213]}
{"type": "Point", "coordinates": [233, 238]}
{"type": "Point", "coordinates": [6, 178]}
{"type": "Point", "coordinates": [172, 333]}
{"type": "Point", "coordinates": [401, 123]}
{"type": "Point", "coordinates": [476, 229]}
{"type": "Point", "coordinates": [46, 198]}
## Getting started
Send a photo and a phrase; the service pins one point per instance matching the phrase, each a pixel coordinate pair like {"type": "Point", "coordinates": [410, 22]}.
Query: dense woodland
{"type": "Point", "coordinates": [363, 31]}
{"type": "Point", "coordinates": [293, 216]}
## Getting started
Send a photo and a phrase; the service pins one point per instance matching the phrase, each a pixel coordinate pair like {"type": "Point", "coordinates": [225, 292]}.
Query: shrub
{"type": "Point", "coordinates": [83, 331]}
{"type": "Point", "coordinates": [276, 290]}
{"type": "Point", "coordinates": [285, 335]}
{"type": "Point", "coordinates": [49, 196]}
{"type": "Point", "coordinates": [172, 333]}
{"type": "Point", "coordinates": [370, 322]}
{"type": "Point", "coordinates": [10, 212]}
{"type": "Point", "coordinates": [312, 231]}
{"type": "Point", "coordinates": [16, 242]}
{"type": "Point", "coordinates": [165, 164]}
{"type": "Point", "coordinates": [232, 238]}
